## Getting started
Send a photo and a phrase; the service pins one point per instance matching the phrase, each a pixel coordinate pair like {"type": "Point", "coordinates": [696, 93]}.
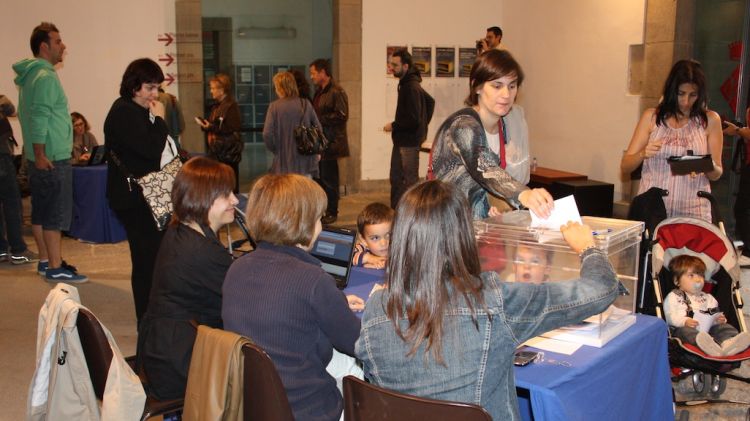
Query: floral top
{"type": "Point", "coordinates": [682, 199]}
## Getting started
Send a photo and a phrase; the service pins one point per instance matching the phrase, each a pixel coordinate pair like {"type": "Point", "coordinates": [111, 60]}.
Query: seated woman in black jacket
{"type": "Point", "coordinates": [188, 275]}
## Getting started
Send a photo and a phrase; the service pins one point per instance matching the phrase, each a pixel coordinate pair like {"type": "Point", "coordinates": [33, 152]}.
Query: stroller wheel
{"type": "Point", "coordinates": [718, 385]}
{"type": "Point", "coordinates": [699, 385]}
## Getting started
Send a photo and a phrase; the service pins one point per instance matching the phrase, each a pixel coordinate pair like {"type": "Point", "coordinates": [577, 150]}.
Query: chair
{"type": "Point", "coordinates": [364, 402]}
{"type": "Point", "coordinates": [98, 358]}
{"type": "Point", "coordinates": [264, 396]}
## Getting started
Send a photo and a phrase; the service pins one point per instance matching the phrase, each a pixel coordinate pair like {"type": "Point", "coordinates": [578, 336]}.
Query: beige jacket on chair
{"type": "Point", "coordinates": [214, 386]}
{"type": "Point", "coordinates": [61, 388]}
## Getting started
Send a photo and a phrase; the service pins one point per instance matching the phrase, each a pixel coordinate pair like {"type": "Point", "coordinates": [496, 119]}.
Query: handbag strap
{"type": "Point", "coordinates": [129, 178]}
{"type": "Point", "coordinates": [302, 117]}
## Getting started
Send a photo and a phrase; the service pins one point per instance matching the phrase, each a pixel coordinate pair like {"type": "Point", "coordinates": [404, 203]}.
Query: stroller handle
{"type": "Point", "coordinates": [715, 216]}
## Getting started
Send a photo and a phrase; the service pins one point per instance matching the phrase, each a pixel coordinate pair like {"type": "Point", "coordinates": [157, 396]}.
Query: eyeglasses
{"type": "Point", "coordinates": [79, 124]}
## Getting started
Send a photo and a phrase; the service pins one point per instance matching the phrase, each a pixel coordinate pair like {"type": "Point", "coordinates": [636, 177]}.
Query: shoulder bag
{"type": "Point", "coordinates": [227, 148]}
{"type": "Point", "coordinates": [310, 139]}
{"type": "Point", "coordinates": [156, 188]}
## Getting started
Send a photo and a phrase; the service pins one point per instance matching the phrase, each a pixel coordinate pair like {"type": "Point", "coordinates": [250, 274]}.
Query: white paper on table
{"type": "Point", "coordinates": [553, 345]}
{"type": "Point", "coordinates": [705, 321]}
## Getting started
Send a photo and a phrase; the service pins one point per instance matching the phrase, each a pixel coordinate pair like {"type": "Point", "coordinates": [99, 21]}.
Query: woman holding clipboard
{"type": "Point", "coordinates": [680, 125]}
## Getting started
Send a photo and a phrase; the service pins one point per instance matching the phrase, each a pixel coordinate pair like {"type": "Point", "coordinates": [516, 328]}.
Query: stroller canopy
{"type": "Point", "coordinates": [682, 235]}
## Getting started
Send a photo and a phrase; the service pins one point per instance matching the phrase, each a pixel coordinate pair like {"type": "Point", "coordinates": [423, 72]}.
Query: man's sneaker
{"type": "Point", "coordinates": [62, 274]}
{"type": "Point", "coordinates": [69, 267]}
{"type": "Point", "coordinates": [4, 257]}
{"type": "Point", "coordinates": [24, 257]}
{"type": "Point", "coordinates": [41, 267]}
{"type": "Point", "coordinates": [328, 218]}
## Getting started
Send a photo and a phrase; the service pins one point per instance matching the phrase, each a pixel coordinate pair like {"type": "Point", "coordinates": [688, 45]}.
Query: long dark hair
{"type": "Point", "coordinates": [432, 261]}
{"type": "Point", "coordinates": [684, 71]}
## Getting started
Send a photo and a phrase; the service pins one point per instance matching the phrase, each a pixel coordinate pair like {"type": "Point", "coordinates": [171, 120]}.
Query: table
{"type": "Point", "coordinates": [544, 177]}
{"type": "Point", "coordinates": [93, 220]}
{"type": "Point", "coordinates": [628, 379]}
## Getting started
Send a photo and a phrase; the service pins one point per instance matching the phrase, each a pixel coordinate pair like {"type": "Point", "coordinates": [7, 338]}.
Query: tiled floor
{"type": "Point", "coordinates": [108, 295]}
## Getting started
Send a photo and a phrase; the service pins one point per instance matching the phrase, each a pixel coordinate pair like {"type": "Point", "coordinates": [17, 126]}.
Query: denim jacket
{"type": "Point", "coordinates": [478, 357]}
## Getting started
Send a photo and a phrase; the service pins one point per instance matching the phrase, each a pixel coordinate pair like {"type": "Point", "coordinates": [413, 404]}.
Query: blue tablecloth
{"type": "Point", "coordinates": [627, 379]}
{"type": "Point", "coordinates": [93, 220]}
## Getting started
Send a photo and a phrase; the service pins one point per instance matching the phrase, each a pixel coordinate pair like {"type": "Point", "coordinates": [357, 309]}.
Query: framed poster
{"type": "Point", "coordinates": [244, 74]}
{"type": "Point", "coordinates": [389, 50]}
{"type": "Point", "coordinates": [445, 62]}
{"type": "Point", "coordinates": [422, 58]}
{"type": "Point", "coordinates": [466, 58]}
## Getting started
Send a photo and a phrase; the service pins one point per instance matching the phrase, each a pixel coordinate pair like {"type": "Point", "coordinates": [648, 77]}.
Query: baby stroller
{"type": "Point", "coordinates": [694, 371]}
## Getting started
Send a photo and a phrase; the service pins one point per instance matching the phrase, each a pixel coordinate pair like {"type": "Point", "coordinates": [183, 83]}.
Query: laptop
{"type": "Point", "coordinates": [98, 155]}
{"type": "Point", "coordinates": [334, 248]}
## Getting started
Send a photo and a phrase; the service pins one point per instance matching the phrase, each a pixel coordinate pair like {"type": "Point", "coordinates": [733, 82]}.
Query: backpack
{"type": "Point", "coordinates": [429, 107]}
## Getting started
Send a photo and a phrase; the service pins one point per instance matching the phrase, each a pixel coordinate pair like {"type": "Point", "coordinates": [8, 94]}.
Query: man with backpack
{"type": "Point", "coordinates": [409, 128]}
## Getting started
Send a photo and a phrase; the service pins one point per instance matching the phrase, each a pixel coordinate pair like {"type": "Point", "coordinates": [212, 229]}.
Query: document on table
{"type": "Point", "coordinates": [553, 345]}
{"type": "Point", "coordinates": [565, 210]}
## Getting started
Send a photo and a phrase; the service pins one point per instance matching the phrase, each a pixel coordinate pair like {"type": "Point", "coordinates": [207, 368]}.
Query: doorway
{"type": "Point", "coordinates": [721, 28]}
{"type": "Point", "coordinates": [251, 41]}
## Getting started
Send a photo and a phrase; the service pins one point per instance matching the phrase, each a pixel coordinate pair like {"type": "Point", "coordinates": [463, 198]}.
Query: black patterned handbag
{"type": "Point", "coordinates": [156, 188]}
{"type": "Point", "coordinates": [310, 139]}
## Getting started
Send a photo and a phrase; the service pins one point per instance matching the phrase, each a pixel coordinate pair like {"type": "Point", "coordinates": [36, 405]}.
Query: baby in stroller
{"type": "Point", "coordinates": [682, 304]}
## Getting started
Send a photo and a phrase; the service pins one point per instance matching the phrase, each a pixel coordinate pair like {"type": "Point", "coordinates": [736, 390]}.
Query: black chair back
{"type": "Point", "coordinates": [365, 402]}
{"type": "Point", "coordinates": [99, 355]}
{"type": "Point", "coordinates": [95, 348]}
{"type": "Point", "coordinates": [264, 396]}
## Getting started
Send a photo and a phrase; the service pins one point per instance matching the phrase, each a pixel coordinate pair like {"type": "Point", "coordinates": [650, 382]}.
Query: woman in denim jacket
{"type": "Point", "coordinates": [442, 329]}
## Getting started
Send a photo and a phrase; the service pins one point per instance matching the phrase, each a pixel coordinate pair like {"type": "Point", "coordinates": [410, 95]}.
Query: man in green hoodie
{"type": "Point", "coordinates": [48, 142]}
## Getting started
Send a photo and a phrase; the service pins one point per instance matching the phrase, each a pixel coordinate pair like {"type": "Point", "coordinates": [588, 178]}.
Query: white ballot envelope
{"type": "Point", "coordinates": [705, 321]}
{"type": "Point", "coordinates": [565, 210]}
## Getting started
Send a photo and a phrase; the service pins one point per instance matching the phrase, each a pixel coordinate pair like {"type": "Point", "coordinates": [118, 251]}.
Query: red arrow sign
{"type": "Point", "coordinates": [169, 78]}
{"type": "Point", "coordinates": [166, 37]}
{"type": "Point", "coordinates": [166, 58]}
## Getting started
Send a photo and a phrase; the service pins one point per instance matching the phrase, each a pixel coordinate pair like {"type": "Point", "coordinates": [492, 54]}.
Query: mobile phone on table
{"type": "Point", "coordinates": [522, 358]}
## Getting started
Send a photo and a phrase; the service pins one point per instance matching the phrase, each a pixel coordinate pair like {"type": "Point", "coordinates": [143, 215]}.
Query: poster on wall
{"type": "Point", "coordinates": [389, 50]}
{"type": "Point", "coordinates": [466, 58]}
{"type": "Point", "coordinates": [445, 59]}
{"type": "Point", "coordinates": [422, 58]}
{"type": "Point", "coordinates": [244, 74]}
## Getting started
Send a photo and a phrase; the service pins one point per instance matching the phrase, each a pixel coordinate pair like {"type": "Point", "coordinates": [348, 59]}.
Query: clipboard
{"type": "Point", "coordinates": [686, 164]}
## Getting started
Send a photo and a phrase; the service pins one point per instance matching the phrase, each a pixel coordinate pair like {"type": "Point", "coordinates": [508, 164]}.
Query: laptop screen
{"type": "Point", "coordinates": [334, 248]}
{"type": "Point", "coordinates": [98, 155]}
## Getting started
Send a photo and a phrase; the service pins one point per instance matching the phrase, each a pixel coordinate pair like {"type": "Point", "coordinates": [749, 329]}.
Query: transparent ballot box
{"type": "Point", "coordinates": [519, 253]}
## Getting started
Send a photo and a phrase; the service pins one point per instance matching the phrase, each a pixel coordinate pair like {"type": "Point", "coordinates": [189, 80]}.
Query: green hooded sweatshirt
{"type": "Point", "coordinates": [43, 110]}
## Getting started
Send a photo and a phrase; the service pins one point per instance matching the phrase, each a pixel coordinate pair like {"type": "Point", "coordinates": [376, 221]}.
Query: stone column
{"type": "Point", "coordinates": [668, 37]}
{"type": "Point", "coordinates": [189, 43]}
{"type": "Point", "coordinates": [347, 70]}
{"type": "Point", "coordinates": [669, 32]}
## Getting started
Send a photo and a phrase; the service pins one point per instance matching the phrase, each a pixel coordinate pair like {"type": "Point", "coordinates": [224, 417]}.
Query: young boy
{"type": "Point", "coordinates": [374, 227]}
{"type": "Point", "coordinates": [532, 265]}
{"type": "Point", "coordinates": [687, 299]}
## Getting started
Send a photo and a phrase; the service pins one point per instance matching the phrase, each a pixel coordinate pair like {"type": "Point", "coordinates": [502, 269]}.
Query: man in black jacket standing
{"type": "Point", "coordinates": [332, 107]}
{"type": "Point", "coordinates": [409, 128]}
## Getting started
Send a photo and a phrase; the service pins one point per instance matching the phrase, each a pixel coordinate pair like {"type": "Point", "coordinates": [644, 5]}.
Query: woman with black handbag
{"type": "Point", "coordinates": [223, 126]}
{"type": "Point", "coordinates": [136, 134]}
{"type": "Point", "coordinates": [285, 115]}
